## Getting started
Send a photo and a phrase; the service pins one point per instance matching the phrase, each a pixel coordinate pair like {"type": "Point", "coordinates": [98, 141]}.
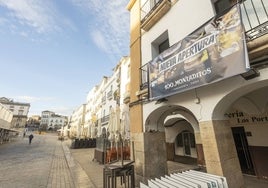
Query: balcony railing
{"type": "Point", "coordinates": [152, 11]}
{"type": "Point", "coordinates": [103, 99]}
{"type": "Point", "coordinates": [144, 77]}
{"type": "Point", "coordinates": [255, 18]}
{"type": "Point", "coordinates": [110, 95]}
{"type": "Point", "coordinates": [148, 7]}
{"type": "Point", "coordinates": [105, 119]}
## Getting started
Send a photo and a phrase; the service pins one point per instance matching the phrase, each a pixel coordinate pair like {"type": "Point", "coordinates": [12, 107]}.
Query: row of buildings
{"type": "Point", "coordinates": [5, 123]}
{"type": "Point", "coordinates": [18, 110]}
{"type": "Point", "coordinates": [194, 89]}
{"type": "Point", "coordinates": [108, 101]}
{"type": "Point", "coordinates": [14, 118]}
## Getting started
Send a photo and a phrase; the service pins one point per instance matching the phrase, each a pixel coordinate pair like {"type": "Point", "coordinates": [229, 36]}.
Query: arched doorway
{"type": "Point", "coordinates": [181, 131]}
{"type": "Point", "coordinates": [185, 144]}
{"type": "Point", "coordinates": [248, 121]}
{"type": "Point", "coordinates": [180, 138]}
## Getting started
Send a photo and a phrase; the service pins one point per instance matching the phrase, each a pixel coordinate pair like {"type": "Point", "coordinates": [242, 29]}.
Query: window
{"type": "Point", "coordinates": [20, 112]}
{"type": "Point", "coordinates": [186, 140]}
{"type": "Point", "coordinates": [184, 135]}
{"type": "Point", "coordinates": [163, 46]}
{"type": "Point", "coordinates": [222, 5]}
{"type": "Point", "coordinates": [103, 113]}
{"type": "Point", "coordinates": [160, 44]}
{"type": "Point", "coordinates": [144, 76]}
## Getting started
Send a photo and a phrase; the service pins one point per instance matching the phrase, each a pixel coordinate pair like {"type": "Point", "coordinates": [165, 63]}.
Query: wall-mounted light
{"type": "Point", "coordinates": [161, 100]}
{"type": "Point", "coordinates": [252, 73]}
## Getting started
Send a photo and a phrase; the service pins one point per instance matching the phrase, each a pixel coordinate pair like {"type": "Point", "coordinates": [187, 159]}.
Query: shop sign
{"type": "Point", "coordinates": [212, 53]}
{"type": "Point", "coordinates": [242, 118]}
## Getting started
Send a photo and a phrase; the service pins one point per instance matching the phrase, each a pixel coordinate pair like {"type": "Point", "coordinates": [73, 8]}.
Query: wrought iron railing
{"type": "Point", "coordinates": [144, 76]}
{"type": "Point", "coordinates": [255, 18]}
{"type": "Point", "coordinates": [103, 99]}
{"type": "Point", "coordinates": [110, 94]}
{"type": "Point", "coordinates": [148, 7]}
{"type": "Point", "coordinates": [105, 119]}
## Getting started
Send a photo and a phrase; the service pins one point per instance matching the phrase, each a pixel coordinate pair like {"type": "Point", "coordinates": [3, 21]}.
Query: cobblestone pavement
{"type": "Point", "coordinates": [41, 164]}
{"type": "Point", "coordinates": [50, 163]}
{"type": "Point", "coordinates": [94, 170]}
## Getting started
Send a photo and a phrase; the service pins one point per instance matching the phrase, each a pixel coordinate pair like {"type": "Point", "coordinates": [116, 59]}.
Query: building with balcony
{"type": "Point", "coordinates": [44, 122]}
{"type": "Point", "coordinates": [90, 113]}
{"type": "Point", "coordinates": [198, 86]}
{"type": "Point", "coordinates": [51, 121]}
{"type": "Point", "coordinates": [20, 111]}
{"type": "Point", "coordinates": [112, 92]}
{"type": "Point", "coordinates": [34, 122]}
{"type": "Point", "coordinates": [56, 122]}
{"type": "Point", "coordinates": [77, 125]}
{"type": "Point", "coordinates": [5, 123]}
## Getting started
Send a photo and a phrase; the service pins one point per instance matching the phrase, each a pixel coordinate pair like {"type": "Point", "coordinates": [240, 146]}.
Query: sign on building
{"type": "Point", "coordinates": [213, 52]}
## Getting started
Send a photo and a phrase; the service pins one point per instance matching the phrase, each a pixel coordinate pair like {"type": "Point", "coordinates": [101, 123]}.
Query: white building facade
{"type": "Point", "coordinates": [110, 94]}
{"type": "Point", "coordinates": [52, 121]}
{"type": "Point", "coordinates": [6, 117]}
{"type": "Point", "coordinates": [44, 122]}
{"type": "Point", "coordinates": [205, 124]}
{"type": "Point", "coordinates": [20, 112]}
{"type": "Point", "coordinates": [77, 125]}
{"type": "Point", "coordinates": [56, 122]}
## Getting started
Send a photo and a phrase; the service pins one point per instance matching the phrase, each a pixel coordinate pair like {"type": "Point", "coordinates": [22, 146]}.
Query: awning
{"type": "Point", "coordinates": [13, 130]}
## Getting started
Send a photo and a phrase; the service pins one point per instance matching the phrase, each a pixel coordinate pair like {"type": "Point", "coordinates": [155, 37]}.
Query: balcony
{"type": "Point", "coordinates": [152, 11]}
{"type": "Point", "coordinates": [144, 77]}
{"type": "Point", "coordinates": [103, 99]}
{"type": "Point", "coordinates": [110, 95]}
{"type": "Point", "coordinates": [105, 119]}
{"type": "Point", "coordinates": [255, 21]}
{"type": "Point", "coordinates": [126, 98]}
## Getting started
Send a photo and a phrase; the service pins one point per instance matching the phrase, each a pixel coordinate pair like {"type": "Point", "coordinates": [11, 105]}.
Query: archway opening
{"type": "Point", "coordinates": [183, 146]}
{"type": "Point", "coordinates": [248, 121]}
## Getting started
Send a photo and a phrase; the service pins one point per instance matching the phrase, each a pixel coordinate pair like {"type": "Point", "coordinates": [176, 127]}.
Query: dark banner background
{"type": "Point", "coordinates": [223, 57]}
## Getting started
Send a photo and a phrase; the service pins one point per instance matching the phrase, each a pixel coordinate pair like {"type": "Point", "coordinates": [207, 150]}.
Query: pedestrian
{"type": "Point", "coordinates": [30, 138]}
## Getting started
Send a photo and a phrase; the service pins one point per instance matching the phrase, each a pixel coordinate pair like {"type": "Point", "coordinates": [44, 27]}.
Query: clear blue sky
{"type": "Point", "coordinates": [52, 52]}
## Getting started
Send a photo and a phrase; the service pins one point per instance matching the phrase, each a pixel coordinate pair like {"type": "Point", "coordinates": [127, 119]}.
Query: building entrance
{"type": "Point", "coordinates": [243, 150]}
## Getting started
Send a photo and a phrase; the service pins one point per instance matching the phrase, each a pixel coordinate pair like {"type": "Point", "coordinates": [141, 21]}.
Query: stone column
{"type": "Point", "coordinates": [220, 152]}
{"type": "Point", "coordinates": [199, 149]}
{"type": "Point", "coordinates": [149, 155]}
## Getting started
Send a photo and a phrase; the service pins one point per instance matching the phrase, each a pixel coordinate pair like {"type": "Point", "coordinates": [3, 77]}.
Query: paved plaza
{"type": "Point", "coordinates": [50, 163]}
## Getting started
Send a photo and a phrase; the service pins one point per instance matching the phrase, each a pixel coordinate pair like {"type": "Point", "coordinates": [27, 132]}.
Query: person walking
{"type": "Point", "coordinates": [30, 138]}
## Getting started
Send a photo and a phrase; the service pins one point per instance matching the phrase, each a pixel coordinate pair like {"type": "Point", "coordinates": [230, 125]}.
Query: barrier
{"type": "Point", "coordinates": [187, 179]}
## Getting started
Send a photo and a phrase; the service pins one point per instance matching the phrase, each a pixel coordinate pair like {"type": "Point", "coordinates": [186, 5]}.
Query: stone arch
{"type": "Point", "coordinates": [239, 96]}
{"type": "Point", "coordinates": [157, 119]}
{"type": "Point", "coordinates": [171, 120]}
{"type": "Point", "coordinates": [247, 98]}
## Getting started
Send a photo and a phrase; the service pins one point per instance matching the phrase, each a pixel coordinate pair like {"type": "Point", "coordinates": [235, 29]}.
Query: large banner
{"type": "Point", "coordinates": [215, 51]}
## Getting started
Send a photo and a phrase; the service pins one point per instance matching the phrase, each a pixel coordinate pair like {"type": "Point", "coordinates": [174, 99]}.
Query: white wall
{"type": "Point", "coordinates": [182, 19]}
